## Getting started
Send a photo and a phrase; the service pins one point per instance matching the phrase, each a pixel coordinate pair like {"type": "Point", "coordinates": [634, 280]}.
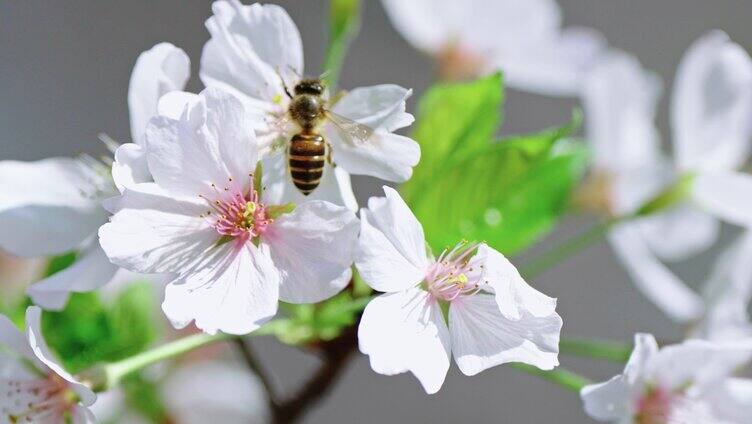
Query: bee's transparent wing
{"type": "Point", "coordinates": [353, 133]}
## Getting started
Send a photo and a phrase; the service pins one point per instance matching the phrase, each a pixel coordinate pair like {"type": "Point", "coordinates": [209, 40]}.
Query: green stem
{"type": "Point", "coordinates": [596, 349]}
{"type": "Point", "coordinates": [566, 249]}
{"type": "Point", "coordinates": [109, 375]}
{"type": "Point", "coordinates": [344, 17]}
{"type": "Point", "coordinates": [561, 376]}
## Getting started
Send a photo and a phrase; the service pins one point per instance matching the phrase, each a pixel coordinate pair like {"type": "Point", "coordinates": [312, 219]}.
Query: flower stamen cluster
{"type": "Point", "coordinates": [237, 214]}
{"type": "Point", "coordinates": [453, 275]}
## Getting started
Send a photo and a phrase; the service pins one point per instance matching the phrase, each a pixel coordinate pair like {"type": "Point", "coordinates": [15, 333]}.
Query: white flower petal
{"type": "Point", "coordinates": [47, 207]}
{"type": "Point", "coordinates": [666, 233]}
{"type": "Point", "coordinates": [130, 166]}
{"type": "Point", "coordinates": [173, 104]}
{"type": "Point", "coordinates": [82, 415]}
{"type": "Point", "coordinates": [14, 342]}
{"type": "Point", "coordinates": [607, 401]}
{"type": "Point", "coordinates": [91, 271]}
{"type": "Point", "coordinates": [42, 352]}
{"type": "Point", "coordinates": [236, 292]}
{"type": "Point", "coordinates": [513, 294]}
{"type": "Point", "coordinates": [155, 233]}
{"type": "Point", "coordinates": [159, 70]}
{"type": "Point", "coordinates": [421, 22]}
{"type": "Point", "coordinates": [652, 278]}
{"type": "Point", "coordinates": [378, 106]}
{"type": "Point", "coordinates": [249, 46]}
{"type": "Point", "coordinates": [312, 248]}
{"type": "Point", "coordinates": [732, 400]}
{"type": "Point", "coordinates": [726, 195]}
{"type": "Point", "coordinates": [335, 185]}
{"type": "Point", "coordinates": [712, 104]}
{"type": "Point", "coordinates": [551, 66]}
{"type": "Point", "coordinates": [385, 155]}
{"type": "Point", "coordinates": [727, 294]}
{"type": "Point", "coordinates": [645, 349]}
{"type": "Point", "coordinates": [391, 253]}
{"type": "Point", "coordinates": [620, 99]}
{"type": "Point", "coordinates": [212, 143]}
{"type": "Point", "coordinates": [482, 337]}
{"type": "Point", "coordinates": [405, 331]}
{"type": "Point", "coordinates": [676, 366]}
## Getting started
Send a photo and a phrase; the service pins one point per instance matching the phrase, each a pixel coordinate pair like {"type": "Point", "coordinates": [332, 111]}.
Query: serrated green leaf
{"type": "Point", "coordinates": [453, 119]}
{"type": "Point", "coordinates": [508, 194]}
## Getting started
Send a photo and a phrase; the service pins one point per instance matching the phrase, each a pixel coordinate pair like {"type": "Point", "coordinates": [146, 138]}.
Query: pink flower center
{"type": "Point", "coordinates": [661, 406]}
{"type": "Point", "coordinates": [453, 274]}
{"type": "Point", "coordinates": [654, 406]}
{"type": "Point", "coordinates": [37, 400]}
{"type": "Point", "coordinates": [237, 214]}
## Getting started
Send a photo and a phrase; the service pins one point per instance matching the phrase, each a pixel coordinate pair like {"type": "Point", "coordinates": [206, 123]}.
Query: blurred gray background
{"type": "Point", "coordinates": [64, 69]}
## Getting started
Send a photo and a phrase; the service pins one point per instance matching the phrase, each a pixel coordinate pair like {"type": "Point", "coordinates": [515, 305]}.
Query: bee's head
{"type": "Point", "coordinates": [310, 86]}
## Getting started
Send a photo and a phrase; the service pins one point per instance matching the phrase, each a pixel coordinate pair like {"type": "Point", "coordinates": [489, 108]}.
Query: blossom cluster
{"type": "Point", "coordinates": [204, 199]}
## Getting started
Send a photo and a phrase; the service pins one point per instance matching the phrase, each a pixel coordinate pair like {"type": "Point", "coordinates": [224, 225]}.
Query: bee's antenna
{"type": "Point", "coordinates": [284, 84]}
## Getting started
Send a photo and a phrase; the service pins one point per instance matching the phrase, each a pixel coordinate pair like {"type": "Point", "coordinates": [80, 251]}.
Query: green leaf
{"type": "Point", "coordinates": [88, 331]}
{"type": "Point", "coordinates": [344, 24]}
{"type": "Point", "coordinates": [59, 263]}
{"type": "Point", "coordinates": [305, 324]}
{"type": "Point", "coordinates": [453, 119]}
{"type": "Point", "coordinates": [508, 194]}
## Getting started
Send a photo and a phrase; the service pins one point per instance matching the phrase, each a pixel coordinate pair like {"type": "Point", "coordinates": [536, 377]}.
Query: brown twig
{"type": "Point", "coordinates": [336, 354]}
{"type": "Point", "coordinates": [255, 365]}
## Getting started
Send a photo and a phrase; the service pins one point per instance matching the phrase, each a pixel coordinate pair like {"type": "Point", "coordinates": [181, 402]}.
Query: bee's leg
{"type": "Point", "coordinates": [329, 154]}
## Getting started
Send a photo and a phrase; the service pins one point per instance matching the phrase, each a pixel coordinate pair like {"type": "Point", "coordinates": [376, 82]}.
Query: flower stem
{"type": "Point", "coordinates": [561, 376]}
{"type": "Point", "coordinates": [109, 375]}
{"type": "Point", "coordinates": [596, 349]}
{"type": "Point", "coordinates": [344, 24]}
{"type": "Point", "coordinates": [566, 249]}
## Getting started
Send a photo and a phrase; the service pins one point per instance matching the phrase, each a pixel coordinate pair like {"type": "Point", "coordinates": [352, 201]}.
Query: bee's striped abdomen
{"type": "Point", "coordinates": [306, 157]}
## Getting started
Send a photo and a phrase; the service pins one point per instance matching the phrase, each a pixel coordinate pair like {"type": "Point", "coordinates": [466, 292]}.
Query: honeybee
{"type": "Point", "coordinates": [308, 151]}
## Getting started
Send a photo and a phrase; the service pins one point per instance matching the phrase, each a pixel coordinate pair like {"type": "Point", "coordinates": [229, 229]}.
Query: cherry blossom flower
{"type": "Point", "coordinates": [523, 38]}
{"type": "Point", "coordinates": [53, 206]}
{"type": "Point", "coordinates": [494, 316]}
{"type": "Point", "coordinates": [689, 383]}
{"type": "Point", "coordinates": [712, 100]}
{"type": "Point", "coordinates": [34, 386]}
{"type": "Point", "coordinates": [233, 253]}
{"type": "Point", "coordinates": [256, 50]}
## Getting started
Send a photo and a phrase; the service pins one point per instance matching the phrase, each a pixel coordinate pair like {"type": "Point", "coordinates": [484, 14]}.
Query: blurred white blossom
{"type": "Point", "coordinates": [711, 105]}
{"type": "Point", "coordinates": [232, 252]}
{"type": "Point", "coordinates": [256, 50]}
{"type": "Point", "coordinates": [494, 316]}
{"type": "Point", "coordinates": [53, 206]}
{"type": "Point", "coordinates": [34, 387]}
{"type": "Point", "coordinates": [689, 383]}
{"type": "Point", "coordinates": [523, 38]}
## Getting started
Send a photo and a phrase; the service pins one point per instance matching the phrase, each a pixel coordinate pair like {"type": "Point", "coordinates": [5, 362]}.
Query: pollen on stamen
{"type": "Point", "coordinates": [239, 215]}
